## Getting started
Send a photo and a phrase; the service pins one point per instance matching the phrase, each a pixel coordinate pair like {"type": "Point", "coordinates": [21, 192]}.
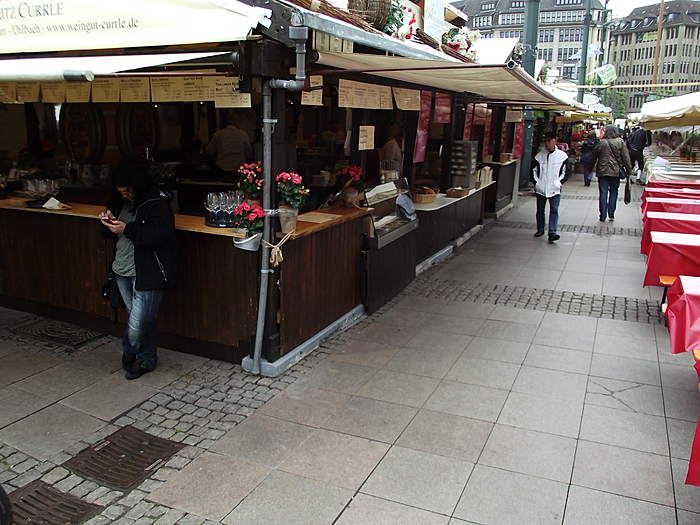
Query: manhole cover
{"type": "Point", "coordinates": [124, 459]}
{"type": "Point", "coordinates": [64, 334]}
{"type": "Point", "coordinates": [41, 504]}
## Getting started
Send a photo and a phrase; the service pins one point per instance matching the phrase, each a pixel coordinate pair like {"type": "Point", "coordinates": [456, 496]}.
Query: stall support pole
{"type": "Point", "coordinates": [587, 21]}
{"type": "Point", "coordinates": [532, 13]}
{"type": "Point", "coordinates": [299, 35]}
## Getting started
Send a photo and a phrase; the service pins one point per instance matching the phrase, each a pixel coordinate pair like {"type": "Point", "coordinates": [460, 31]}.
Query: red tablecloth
{"type": "Point", "coordinates": [683, 314]}
{"type": "Point", "coordinates": [668, 222]}
{"type": "Point", "coordinates": [693, 477]}
{"type": "Point", "coordinates": [671, 205]}
{"type": "Point", "coordinates": [672, 254]}
{"type": "Point", "coordinates": [671, 193]}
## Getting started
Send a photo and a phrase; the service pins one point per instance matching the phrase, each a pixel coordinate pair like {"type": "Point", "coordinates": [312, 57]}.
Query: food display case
{"type": "Point", "coordinates": [392, 214]}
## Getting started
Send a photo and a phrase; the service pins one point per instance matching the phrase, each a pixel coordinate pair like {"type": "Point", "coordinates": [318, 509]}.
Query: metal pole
{"type": "Point", "coordinates": [659, 36]}
{"type": "Point", "coordinates": [532, 13]}
{"type": "Point", "coordinates": [587, 21]}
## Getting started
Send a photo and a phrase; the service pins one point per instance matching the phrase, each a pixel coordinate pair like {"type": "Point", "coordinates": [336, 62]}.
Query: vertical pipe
{"type": "Point", "coordinates": [587, 21]}
{"type": "Point", "coordinates": [532, 13]}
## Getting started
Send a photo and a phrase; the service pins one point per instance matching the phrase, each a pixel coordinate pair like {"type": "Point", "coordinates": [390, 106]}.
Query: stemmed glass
{"type": "Point", "coordinates": [3, 185]}
{"type": "Point", "coordinates": [209, 206]}
{"type": "Point", "coordinates": [230, 205]}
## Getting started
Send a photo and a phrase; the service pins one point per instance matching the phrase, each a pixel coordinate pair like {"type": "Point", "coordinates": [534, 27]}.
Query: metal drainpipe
{"type": "Point", "coordinates": [299, 34]}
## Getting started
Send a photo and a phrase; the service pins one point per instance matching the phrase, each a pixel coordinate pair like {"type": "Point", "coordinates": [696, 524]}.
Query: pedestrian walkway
{"type": "Point", "coordinates": [517, 383]}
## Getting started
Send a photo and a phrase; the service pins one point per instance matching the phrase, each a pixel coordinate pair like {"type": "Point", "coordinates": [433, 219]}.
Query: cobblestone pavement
{"type": "Point", "coordinates": [497, 388]}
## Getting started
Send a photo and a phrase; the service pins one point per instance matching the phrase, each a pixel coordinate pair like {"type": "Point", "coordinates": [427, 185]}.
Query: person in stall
{"type": "Point", "coordinates": [391, 153]}
{"type": "Point", "coordinates": [230, 148]}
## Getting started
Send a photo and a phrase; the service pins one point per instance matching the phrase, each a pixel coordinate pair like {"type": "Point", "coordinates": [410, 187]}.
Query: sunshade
{"type": "Point", "coordinates": [683, 110]}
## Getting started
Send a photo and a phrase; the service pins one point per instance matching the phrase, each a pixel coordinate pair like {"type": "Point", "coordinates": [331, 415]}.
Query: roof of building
{"type": "Point", "coordinates": [473, 7]}
{"type": "Point", "coordinates": [645, 18]}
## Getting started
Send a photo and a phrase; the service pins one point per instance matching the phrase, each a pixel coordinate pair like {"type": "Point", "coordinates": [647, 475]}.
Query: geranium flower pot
{"type": "Point", "coordinates": [251, 244]}
{"type": "Point", "coordinates": [288, 218]}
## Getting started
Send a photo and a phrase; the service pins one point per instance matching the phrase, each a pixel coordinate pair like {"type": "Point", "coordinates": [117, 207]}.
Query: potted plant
{"type": "Point", "coordinates": [349, 178]}
{"type": "Point", "coordinates": [251, 219]}
{"type": "Point", "coordinates": [251, 181]}
{"type": "Point", "coordinates": [292, 194]}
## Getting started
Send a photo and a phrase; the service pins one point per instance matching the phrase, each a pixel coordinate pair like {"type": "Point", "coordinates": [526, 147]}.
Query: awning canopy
{"type": "Point", "coordinates": [73, 25]}
{"type": "Point", "coordinates": [495, 83]}
{"type": "Point", "coordinates": [683, 110]}
{"type": "Point", "coordinates": [56, 69]}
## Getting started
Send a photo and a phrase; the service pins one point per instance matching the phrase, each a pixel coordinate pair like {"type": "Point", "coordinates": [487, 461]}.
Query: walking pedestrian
{"type": "Point", "coordinates": [587, 157]}
{"type": "Point", "coordinates": [145, 261]}
{"type": "Point", "coordinates": [551, 169]}
{"type": "Point", "coordinates": [612, 163]}
{"type": "Point", "coordinates": [637, 141]}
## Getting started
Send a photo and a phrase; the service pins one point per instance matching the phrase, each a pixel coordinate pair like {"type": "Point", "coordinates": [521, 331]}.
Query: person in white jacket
{"type": "Point", "coordinates": [550, 170]}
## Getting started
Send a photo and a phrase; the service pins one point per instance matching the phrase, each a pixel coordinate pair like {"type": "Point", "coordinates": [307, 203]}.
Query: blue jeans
{"type": "Point", "coordinates": [553, 212]}
{"type": "Point", "coordinates": [140, 336]}
{"type": "Point", "coordinates": [607, 187]}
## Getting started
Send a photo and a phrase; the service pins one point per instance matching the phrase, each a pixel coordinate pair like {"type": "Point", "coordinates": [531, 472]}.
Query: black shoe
{"type": "Point", "coordinates": [128, 361]}
{"type": "Point", "coordinates": [553, 237]}
{"type": "Point", "coordinates": [588, 183]}
{"type": "Point", "coordinates": [612, 217]}
{"type": "Point", "coordinates": [137, 370]}
{"type": "Point", "coordinates": [539, 234]}
{"type": "Point", "coordinates": [602, 219]}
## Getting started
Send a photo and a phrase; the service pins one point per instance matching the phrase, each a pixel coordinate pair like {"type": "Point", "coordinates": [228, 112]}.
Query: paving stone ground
{"type": "Point", "coordinates": [518, 382]}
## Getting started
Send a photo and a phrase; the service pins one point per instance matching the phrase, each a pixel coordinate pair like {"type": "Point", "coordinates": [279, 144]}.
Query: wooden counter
{"type": "Point", "coordinates": [501, 195]}
{"type": "Point", "coordinates": [343, 214]}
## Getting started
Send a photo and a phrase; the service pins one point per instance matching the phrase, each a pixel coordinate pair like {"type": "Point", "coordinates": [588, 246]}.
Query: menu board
{"type": "Point", "coordinates": [134, 90]}
{"type": "Point", "coordinates": [53, 92]}
{"type": "Point", "coordinates": [28, 91]}
{"type": "Point", "coordinates": [315, 97]}
{"type": "Point", "coordinates": [198, 88]}
{"type": "Point", "coordinates": [227, 95]}
{"type": "Point", "coordinates": [78, 92]}
{"type": "Point", "coordinates": [360, 95]}
{"type": "Point", "coordinates": [407, 99]}
{"type": "Point", "coordinates": [105, 90]}
{"type": "Point", "coordinates": [366, 138]}
{"type": "Point", "coordinates": [8, 92]}
{"type": "Point", "coordinates": [514, 115]}
{"type": "Point", "coordinates": [443, 108]}
{"type": "Point", "coordinates": [167, 89]}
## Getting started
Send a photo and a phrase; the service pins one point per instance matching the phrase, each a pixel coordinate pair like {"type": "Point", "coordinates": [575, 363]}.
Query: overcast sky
{"type": "Point", "coordinates": [623, 7]}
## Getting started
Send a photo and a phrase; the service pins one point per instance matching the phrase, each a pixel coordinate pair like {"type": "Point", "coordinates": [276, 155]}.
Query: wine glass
{"type": "Point", "coordinates": [3, 185]}
{"type": "Point", "coordinates": [230, 205]}
{"type": "Point", "coordinates": [208, 205]}
{"type": "Point", "coordinates": [216, 204]}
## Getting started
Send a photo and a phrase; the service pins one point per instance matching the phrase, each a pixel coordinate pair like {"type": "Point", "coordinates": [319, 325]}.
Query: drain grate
{"type": "Point", "coordinates": [51, 331]}
{"type": "Point", "coordinates": [124, 459]}
{"type": "Point", "coordinates": [41, 504]}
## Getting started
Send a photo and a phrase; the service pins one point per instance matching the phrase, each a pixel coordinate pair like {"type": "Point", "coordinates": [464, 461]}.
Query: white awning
{"type": "Point", "coordinates": [494, 82]}
{"type": "Point", "coordinates": [55, 69]}
{"type": "Point", "coordinates": [683, 110]}
{"type": "Point", "coordinates": [73, 25]}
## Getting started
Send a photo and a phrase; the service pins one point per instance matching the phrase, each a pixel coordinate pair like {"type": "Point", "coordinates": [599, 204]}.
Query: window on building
{"type": "Point", "coordinates": [568, 2]}
{"type": "Point", "coordinates": [512, 19]}
{"type": "Point", "coordinates": [546, 35]}
{"type": "Point", "coordinates": [517, 4]}
{"type": "Point", "coordinates": [569, 72]}
{"type": "Point", "coordinates": [545, 54]}
{"type": "Point", "coordinates": [487, 35]}
{"type": "Point", "coordinates": [488, 6]}
{"type": "Point", "coordinates": [565, 53]}
{"type": "Point", "coordinates": [482, 21]}
{"type": "Point", "coordinates": [513, 33]}
{"type": "Point", "coordinates": [558, 17]}
{"type": "Point", "coordinates": [571, 34]}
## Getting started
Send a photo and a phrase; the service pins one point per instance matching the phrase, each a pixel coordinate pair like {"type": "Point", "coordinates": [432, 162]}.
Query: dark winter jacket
{"type": "Point", "coordinates": [638, 140]}
{"type": "Point", "coordinates": [155, 248]}
{"type": "Point", "coordinates": [609, 155]}
{"type": "Point", "coordinates": [587, 149]}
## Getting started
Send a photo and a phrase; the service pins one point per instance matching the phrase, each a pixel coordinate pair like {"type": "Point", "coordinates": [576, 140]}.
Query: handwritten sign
{"type": "Point", "coordinates": [8, 92]}
{"type": "Point", "coordinates": [361, 95]}
{"type": "Point", "coordinates": [315, 97]}
{"type": "Point", "coordinates": [134, 90]}
{"type": "Point", "coordinates": [366, 138]}
{"type": "Point", "coordinates": [105, 90]}
{"type": "Point", "coordinates": [78, 92]}
{"type": "Point", "coordinates": [385, 99]}
{"type": "Point", "coordinates": [227, 95]}
{"type": "Point", "coordinates": [28, 91]}
{"type": "Point", "coordinates": [407, 99]}
{"type": "Point", "coordinates": [198, 88]}
{"type": "Point", "coordinates": [53, 92]}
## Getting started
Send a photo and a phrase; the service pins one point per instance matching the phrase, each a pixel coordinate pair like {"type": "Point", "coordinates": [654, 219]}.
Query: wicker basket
{"type": "Point", "coordinates": [457, 192]}
{"type": "Point", "coordinates": [376, 12]}
{"type": "Point", "coordinates": [424, 198]}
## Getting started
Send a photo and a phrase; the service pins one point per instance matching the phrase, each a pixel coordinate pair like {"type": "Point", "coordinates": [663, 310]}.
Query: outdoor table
{"type": "Point", "coordinates": [683, 314]}
{"type": "Point", "coordinates": [672, 254]}
{"type": "Point", "coordinates": [668, 222]}
{"type": "Point", "coordinates": [670, 205]}
{"type": "Point", "coordinates": [671, 193]}
{"type": "Point", "coordinates": [673, 183]}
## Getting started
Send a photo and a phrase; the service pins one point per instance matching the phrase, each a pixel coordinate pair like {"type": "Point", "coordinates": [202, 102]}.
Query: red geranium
{"type": "Point", "coordinates": [251, 179]}
{"type": "Point", "coordinates": [249, 217]}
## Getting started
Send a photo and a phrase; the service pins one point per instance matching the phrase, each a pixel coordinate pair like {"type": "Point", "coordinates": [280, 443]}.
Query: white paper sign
{"type": "Point", "coordinates": [366, 138]}
{"type": "Point", "coordinates": [315, 97]}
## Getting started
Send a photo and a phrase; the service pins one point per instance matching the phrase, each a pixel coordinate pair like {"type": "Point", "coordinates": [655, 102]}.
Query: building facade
{"type": "Point", "coordinates": [560, 29]}
{"type": "Point", "coordinates": [633, 46]}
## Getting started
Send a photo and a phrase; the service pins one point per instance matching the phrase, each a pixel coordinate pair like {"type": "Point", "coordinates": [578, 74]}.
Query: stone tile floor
{"type": "Point", "coordinates": [518, 382]}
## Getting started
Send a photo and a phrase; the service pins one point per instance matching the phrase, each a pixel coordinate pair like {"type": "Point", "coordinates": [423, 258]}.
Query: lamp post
{"type": "Point", "coordinates": [532, 13]}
